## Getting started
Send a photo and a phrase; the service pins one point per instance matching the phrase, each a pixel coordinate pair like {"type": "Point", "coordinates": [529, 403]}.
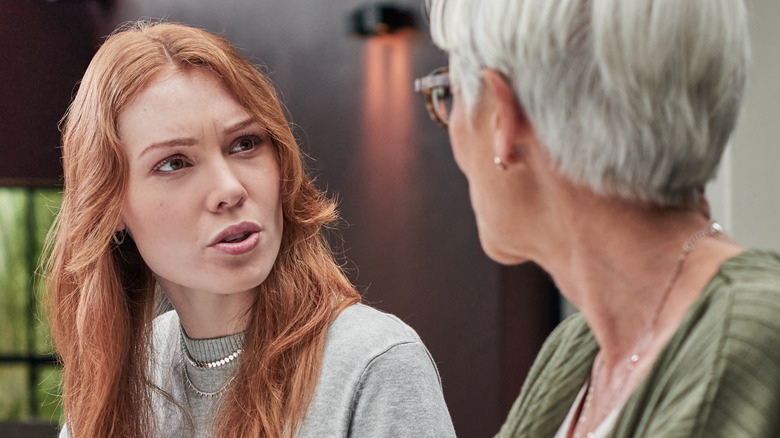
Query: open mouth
{"type": "Point", "coordinates": [240, 237]}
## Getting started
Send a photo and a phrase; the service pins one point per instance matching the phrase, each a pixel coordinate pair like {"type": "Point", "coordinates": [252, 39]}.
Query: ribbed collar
{"type": "Point", "coordinates": [208, 350]}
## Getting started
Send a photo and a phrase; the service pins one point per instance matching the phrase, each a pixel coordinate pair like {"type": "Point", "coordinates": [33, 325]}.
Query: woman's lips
{"type": "Point", "coordinates": [237, 239]}
{"type": "Point", "coordinates": [239, 247]}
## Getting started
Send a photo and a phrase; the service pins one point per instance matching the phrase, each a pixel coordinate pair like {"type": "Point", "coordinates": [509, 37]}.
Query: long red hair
{"type": "Point", "coordinates": [101, 296]}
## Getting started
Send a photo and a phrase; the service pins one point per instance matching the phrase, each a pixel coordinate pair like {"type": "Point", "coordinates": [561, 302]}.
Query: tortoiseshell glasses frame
{"type": "Point", "coordinates": [438, 95]}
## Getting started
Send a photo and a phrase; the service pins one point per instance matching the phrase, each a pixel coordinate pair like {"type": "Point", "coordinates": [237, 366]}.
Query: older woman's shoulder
{"type": "Point", "coordinates": [741, 305]}
{"type": "Point", "coordinates": [754, 268]}
{"type": "Point", "coordinates": [747, 288]}
{"type": "Point", "coordinates": [729, 357]}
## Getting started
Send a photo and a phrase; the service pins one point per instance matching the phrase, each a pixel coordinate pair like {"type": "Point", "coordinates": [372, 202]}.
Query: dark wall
{"type": "Point", "coordinates": [45, 49]}
{"type": "Point", "coordinates": [409, 231]}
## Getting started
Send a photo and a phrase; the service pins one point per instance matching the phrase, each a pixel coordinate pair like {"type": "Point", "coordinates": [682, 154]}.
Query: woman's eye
{"type": "Point", "coordinates": [171, 164]}
{"type": "Point", "coordinates": [246, 144]}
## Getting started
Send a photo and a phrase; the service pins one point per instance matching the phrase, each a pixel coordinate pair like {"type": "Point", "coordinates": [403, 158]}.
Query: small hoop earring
{"type": "Point", "coordinates": [119, 237]}
{"type": "Point", "coordinates": [497, 161]}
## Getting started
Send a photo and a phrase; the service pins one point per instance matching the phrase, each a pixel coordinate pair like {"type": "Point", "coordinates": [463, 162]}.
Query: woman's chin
{"type": "Point", "coordinates": [495, 251]}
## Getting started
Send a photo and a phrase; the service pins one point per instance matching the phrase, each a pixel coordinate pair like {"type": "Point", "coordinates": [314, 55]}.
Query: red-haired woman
{"type": "Point", "coordinates": [182, 172]}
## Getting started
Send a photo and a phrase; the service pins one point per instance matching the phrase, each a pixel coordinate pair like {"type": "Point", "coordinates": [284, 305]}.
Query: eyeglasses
{"type": "Point", "coordinates": [438, 95]}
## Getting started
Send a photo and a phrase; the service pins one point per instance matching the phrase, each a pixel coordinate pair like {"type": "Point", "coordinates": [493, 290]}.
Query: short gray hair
{"type": "Point", "coordinates": [635, 98]}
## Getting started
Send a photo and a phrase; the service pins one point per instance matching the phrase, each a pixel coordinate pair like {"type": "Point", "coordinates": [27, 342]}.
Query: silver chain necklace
{"type": "Point", "coordinates": [213, 364]}
{"type": "Point", "coordinates": [715, 230]}
{"type": "Point", "coordinates": [205, 394]}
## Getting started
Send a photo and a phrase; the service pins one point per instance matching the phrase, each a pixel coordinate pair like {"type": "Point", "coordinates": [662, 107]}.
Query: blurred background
{"type": "Point", "coordinates": [408, 233]}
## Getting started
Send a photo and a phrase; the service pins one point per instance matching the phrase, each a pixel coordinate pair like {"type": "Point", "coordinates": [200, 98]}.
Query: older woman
{"type": "Point", "coordinates": [586, 130]}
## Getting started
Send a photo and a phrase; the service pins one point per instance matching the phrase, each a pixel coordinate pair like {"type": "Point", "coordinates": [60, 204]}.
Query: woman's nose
{"type": "Point", "coordinates": [225, 188]}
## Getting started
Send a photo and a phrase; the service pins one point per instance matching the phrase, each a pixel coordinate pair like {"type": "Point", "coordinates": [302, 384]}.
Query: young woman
{"type": "Point", "coordinates": [182, 175]}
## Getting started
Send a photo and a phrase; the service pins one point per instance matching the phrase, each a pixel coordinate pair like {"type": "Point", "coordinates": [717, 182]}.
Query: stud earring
{"type": "Point", "coordinates": [119, 237]}
{"type": "Point", "coordinates": [497, 161]}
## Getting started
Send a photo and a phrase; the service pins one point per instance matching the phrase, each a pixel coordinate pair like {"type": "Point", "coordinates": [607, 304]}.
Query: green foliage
{"type": "Point", "coordinates": [47, 205]}
{"type": "Point", "coordinates": [14, 271]}
{"type": "Point", "coordinates": [25, 218]}
{"type": "Point", "coordinates": [49, 394]}
{"type": "Point", "coordinates": [14, 394]}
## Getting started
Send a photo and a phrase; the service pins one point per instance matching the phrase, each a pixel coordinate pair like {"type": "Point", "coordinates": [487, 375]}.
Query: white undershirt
{"type": "Point", "coordinates": [604, 428]}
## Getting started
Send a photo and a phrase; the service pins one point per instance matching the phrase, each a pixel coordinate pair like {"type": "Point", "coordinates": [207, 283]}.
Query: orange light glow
{"type": "Point", "coordinates": [388, 157]}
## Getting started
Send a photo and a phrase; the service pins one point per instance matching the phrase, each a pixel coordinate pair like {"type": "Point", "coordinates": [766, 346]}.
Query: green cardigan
{"type": "Point", "coordinates": [718, 376]}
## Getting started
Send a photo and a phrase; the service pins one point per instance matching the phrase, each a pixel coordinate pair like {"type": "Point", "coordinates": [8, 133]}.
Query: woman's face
{"type": "Point", "coordinates": [491, 193]}
{"type": "Point", "coordinates": [202, 200]}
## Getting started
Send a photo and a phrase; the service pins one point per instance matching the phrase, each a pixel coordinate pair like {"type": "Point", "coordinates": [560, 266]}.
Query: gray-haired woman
{"type": "Point", "coordinates": [586, 130]}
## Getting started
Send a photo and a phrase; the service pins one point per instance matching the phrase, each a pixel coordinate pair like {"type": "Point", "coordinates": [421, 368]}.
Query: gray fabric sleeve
{"type": "Point", "coordinates": [400, 395]}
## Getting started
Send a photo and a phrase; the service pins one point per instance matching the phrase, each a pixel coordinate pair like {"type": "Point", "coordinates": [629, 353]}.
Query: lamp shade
{"type": "Point", "coordinates": [379, 19]}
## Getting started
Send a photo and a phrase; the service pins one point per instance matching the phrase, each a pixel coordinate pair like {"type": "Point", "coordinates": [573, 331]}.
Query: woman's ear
{"type": "Point", "coordinates": [513, 131]}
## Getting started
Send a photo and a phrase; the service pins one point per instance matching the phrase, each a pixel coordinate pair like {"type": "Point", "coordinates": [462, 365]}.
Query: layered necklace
{"type": "Point", "coordinates": [715, 230]}
{"type": "Point", "coordinates": [206, 365]}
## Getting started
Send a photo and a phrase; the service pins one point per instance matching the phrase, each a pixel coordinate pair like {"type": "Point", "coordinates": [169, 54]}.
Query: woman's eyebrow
{"type": "Point", "coordinates": [168, 143]}
{"type": "Point", "coordinates": [239, 126]}
{"type": "Point", "coordinates": [186, 141]}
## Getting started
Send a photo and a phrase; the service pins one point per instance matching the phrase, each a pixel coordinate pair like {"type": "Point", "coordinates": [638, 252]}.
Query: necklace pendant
{"type": "Point", "coordinates": [632, 362]}
{"type": "Point", "coordinates": [715, 228]}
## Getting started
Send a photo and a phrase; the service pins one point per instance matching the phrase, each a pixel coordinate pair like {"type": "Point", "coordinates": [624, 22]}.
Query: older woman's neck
{"type": "Point", "coordinates": [617, 263]}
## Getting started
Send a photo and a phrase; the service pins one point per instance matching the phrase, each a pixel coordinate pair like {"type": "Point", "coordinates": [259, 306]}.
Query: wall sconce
{"type": "Point", "coordinates": [379, 19]}
{"type": "Point", "coordinates": [103, 3]}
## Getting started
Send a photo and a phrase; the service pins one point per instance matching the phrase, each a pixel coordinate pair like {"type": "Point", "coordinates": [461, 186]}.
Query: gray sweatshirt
{"type": "Point", "coordinates": [377, 380]}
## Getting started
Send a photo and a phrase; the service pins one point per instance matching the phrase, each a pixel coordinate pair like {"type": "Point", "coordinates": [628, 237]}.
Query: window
{"type": "Point", "coordinates": [29, 374]}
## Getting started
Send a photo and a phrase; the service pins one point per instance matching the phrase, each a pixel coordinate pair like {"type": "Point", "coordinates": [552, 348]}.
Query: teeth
{"type": "Point", "coordinates": [236, 238]}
